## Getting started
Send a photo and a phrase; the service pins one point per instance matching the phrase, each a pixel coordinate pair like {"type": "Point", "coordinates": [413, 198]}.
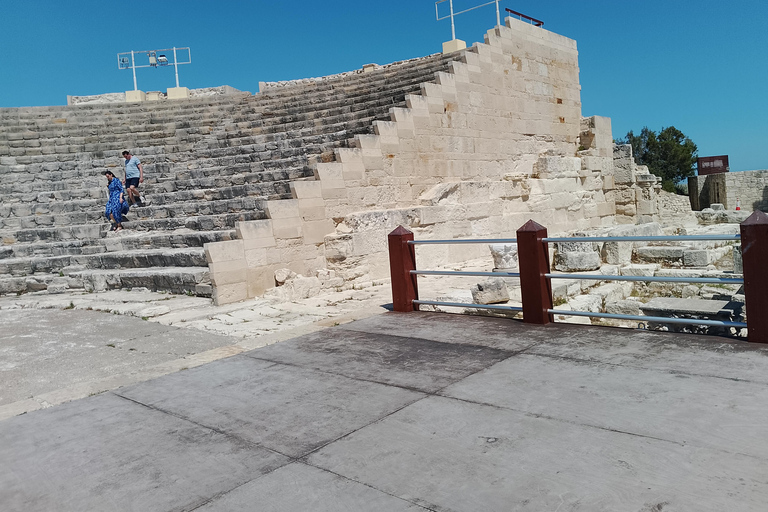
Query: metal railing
{"type": "Point", "coordinates": [535, 275]}
{"type": "Point", "coordinates": [522, 16]}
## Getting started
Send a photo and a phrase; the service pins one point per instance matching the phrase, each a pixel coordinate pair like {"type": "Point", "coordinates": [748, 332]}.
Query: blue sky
{"type": "Point", "coordinates": [700, 66]}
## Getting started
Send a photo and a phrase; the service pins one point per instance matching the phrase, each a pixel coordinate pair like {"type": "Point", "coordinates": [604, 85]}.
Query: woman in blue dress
{"type": "Point", "coordinates": [114, 212]}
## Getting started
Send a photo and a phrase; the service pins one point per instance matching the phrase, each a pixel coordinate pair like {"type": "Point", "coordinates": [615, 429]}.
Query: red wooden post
{"type": "Point", "coordinates": [533, 258]}
{"type": "Point", "coordinates": [754, 255]}
{"type": "Point", "coordinates": [402, 259]}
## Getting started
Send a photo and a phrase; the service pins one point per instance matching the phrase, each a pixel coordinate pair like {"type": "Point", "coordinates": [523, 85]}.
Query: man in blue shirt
{"type": "Point", "coordinates": [134, 174]}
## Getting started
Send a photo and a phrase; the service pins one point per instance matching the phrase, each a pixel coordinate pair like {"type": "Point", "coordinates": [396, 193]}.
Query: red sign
{"type": "Point", "coordinates": [712, 165]}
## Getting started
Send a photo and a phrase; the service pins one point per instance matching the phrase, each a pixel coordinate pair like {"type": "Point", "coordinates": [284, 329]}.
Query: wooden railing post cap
{"type": "Point", "coordinates": [400, 231]}
{"type": "Point", "coordinates": [531, 225]}
{"type": "Point", "coordinates": [757, 218]}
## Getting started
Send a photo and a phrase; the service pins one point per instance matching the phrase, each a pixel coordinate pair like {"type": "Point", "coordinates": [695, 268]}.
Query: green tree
{"type": "Point", "coordinates": [669, 154]}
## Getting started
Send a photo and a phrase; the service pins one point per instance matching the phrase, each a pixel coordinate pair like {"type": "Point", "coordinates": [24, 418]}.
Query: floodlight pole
{"type": "Point", "coordinates": [453, 27]}
{"type": "Point", "coordinates": [176, 67]}
{"type": "Point", "coordinates": [133, 67]}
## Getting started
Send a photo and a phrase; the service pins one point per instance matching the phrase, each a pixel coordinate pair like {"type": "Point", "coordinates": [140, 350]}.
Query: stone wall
{"type": "Point", "coordinates": [747, 189]}
{"type": "Point", "coordinates": [119, 97]}
{"type": "Point", "coordinates": [492, 143]}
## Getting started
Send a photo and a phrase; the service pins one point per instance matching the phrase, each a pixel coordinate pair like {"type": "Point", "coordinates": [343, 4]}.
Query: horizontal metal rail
{"type": "Point", "coordinates": [657, 319]}
{"type": "Point", "coordinates": [467, 305]}
{"type": "Point", "coordinates": [463, 273]}
{"type": "Point", "coordinates": [536, 22]}
{"type": "Point", "coordinates": [704, 280]}
{"type": "Point", "coordinates": [680, 238]}
{"type": "Point", "coordinates": [465, 241]}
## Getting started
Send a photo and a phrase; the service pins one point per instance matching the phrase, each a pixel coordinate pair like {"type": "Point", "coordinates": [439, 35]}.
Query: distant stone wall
{"type": "Point", "coordinates": [750, 188]}
{"type": "Point", "coordinates": [747, 189]}
{"type": "Point", "coordinates": [119, 97]}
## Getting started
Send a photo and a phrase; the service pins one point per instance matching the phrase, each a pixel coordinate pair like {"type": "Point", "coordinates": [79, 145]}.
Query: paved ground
{"type": "Point", "coordinates": [412, 412]}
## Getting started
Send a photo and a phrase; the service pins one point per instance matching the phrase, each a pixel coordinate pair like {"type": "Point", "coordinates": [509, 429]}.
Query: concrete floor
{"type": "Point", "coordinates": [415, 411]}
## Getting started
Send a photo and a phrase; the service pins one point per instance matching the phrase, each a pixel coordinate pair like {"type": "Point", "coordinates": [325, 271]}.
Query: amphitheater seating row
{"type": "Point", "coordinates": [209, 162]}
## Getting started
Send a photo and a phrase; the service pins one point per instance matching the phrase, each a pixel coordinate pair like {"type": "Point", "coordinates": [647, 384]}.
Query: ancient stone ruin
{"type": "Point", "coordinates": [306, 178]}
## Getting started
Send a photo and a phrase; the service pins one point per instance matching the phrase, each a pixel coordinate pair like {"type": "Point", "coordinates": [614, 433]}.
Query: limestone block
{"type": "Point", "coordinates": [623, 307]}
{"type": "Point", "coordinates": [557, 166]}
{"type": "Point", "coordinates": [504, 256]}
{"type": "Point", "coordinates": [228, 250]}
{"type": "Point", "coordinates": [660, 253]}
{"type": "Point", "coordinates": [624, 167]}
{"type": "Point", "coordinates": [254, 229]}
{"type": "Point", "coordinates": [256, 258]}
{"type": "Point", "coordinates": [228, 272]}
{"type": "Point", "coordinates": [314, 232]}
{"type": "Point", "coordinates": [454, 45]}
{"type": "Point", "coordinates": [491, 291]}
{"type": "Point", "coordinates": [312, 209]}
{"type": "Point", "coordinates": [590, 303]}
{"type": "Point", "coordinates": [646, 270]}
{"type": "Point", "coordinates": [289, 227]}
{"type": "Point", "coordinates": [611, 292]}
{"type": "Point", "coordinates": [697, 258]}
{"type": "Point", "coordinates": [227, 294]}
{"type": "Point", "coordinates": [306, 189]}
{"type": "Point", "coordinates": [177, 93]}
{"type": "Point", "coordinates": [282, 209]}
{"type": "Point", "coordinates": [135, 96]}
{"type": "Point", "coordinates": [577, 261]}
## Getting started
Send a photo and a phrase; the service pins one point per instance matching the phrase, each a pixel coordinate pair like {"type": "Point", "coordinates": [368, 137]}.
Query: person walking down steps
{"type": "Point", "coordinates": [134, 174]}
{"type": "Point", "coordinates": [116, 203]}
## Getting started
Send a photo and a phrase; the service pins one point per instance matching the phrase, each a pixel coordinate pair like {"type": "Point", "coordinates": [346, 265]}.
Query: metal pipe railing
{"type": "Point", "coordinates": [463, 273]}
{"type": "Point", "coordinates": [468, 305]}
{"type": "Point", "coordinates": [535, 276]}
{"type": "Point", "coordinates": [657, 319]}
{"type": "Point", "coordinates": [536, 22]}
{"type": "Point", "coordinates": [651, 279]}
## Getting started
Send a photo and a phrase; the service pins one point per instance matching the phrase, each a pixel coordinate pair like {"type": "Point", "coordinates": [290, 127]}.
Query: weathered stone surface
{"type": "Point", "coordinates": [623, 307]}
{"type": "Point", "coordinates": [492, 291]}
{"type": "Point", "coordinates": [591, 303]}
{"type": "Point", "coordinates": [660, 253]}
{"type": "Point", "coordinates": [504, 256]}
{"type": "Point", "coordinates": [577, 261]}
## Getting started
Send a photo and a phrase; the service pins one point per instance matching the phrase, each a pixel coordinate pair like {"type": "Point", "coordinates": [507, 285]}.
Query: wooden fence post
{"type": "Point", "coordinates": [533, 258]}
{"type": "Point", "coordinates": [402, 259]}
{"type": "Point", "coordinates": [754, 255]}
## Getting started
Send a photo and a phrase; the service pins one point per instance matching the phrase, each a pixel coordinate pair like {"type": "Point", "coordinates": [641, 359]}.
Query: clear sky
{"type": "Point", "coordinates": [699, 66]}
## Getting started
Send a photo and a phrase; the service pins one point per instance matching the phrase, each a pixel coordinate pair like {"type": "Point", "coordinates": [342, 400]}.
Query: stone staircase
{"type": "Point", "coordinates": [208, 162]}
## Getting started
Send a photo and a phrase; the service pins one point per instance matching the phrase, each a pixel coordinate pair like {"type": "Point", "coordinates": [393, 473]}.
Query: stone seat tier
{"type": "Point", "coordinates": [177, 210]}
{"type": "Point", "coordinates": [290, 90]}
{"type": "Point", "coordinates": [189, 280]}
{"type": "Point", "coordinates": [61, 112]}
{"type": "Point", "coordinates": [127, 240]}
{"type": "Point", "coordinates": [223, 221]}
{"type": "Point", "coordinates": [137, 258]}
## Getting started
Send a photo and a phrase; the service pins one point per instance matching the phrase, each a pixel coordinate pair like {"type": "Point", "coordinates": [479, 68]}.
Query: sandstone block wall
{"type": "Point", "coordinates": [497, 140]}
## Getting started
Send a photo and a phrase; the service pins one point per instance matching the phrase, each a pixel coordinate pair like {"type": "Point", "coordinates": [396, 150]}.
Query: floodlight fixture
{"type": "Point", "coordinates": [153, 59]}
{"type": "Point", "coordinates": [452, 13]}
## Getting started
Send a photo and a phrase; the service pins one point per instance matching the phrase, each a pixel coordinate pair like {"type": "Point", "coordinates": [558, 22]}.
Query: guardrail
{"type": "Point", "coordinates": [535, 276]}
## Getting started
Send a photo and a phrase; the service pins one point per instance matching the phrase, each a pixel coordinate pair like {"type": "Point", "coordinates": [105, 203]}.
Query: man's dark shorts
{"type": "Point", "coordinates": [131, 182]}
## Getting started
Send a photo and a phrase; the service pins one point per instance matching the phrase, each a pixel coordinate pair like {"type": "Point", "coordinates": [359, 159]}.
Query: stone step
{"type": "Point", "coordinates": [127, 240]}
{"type": "Point", "coordinates": [189, 280]}
{"type": "Point", "coordinates": [139, 258]}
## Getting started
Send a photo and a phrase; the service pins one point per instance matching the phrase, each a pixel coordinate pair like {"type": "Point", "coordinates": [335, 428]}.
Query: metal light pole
{"type": "Point", "coordinates": [133, 66]}
{"type": "Point", "coordinates": [453, 27]}
{"type": "Point", "coordinates": [176, 66]}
